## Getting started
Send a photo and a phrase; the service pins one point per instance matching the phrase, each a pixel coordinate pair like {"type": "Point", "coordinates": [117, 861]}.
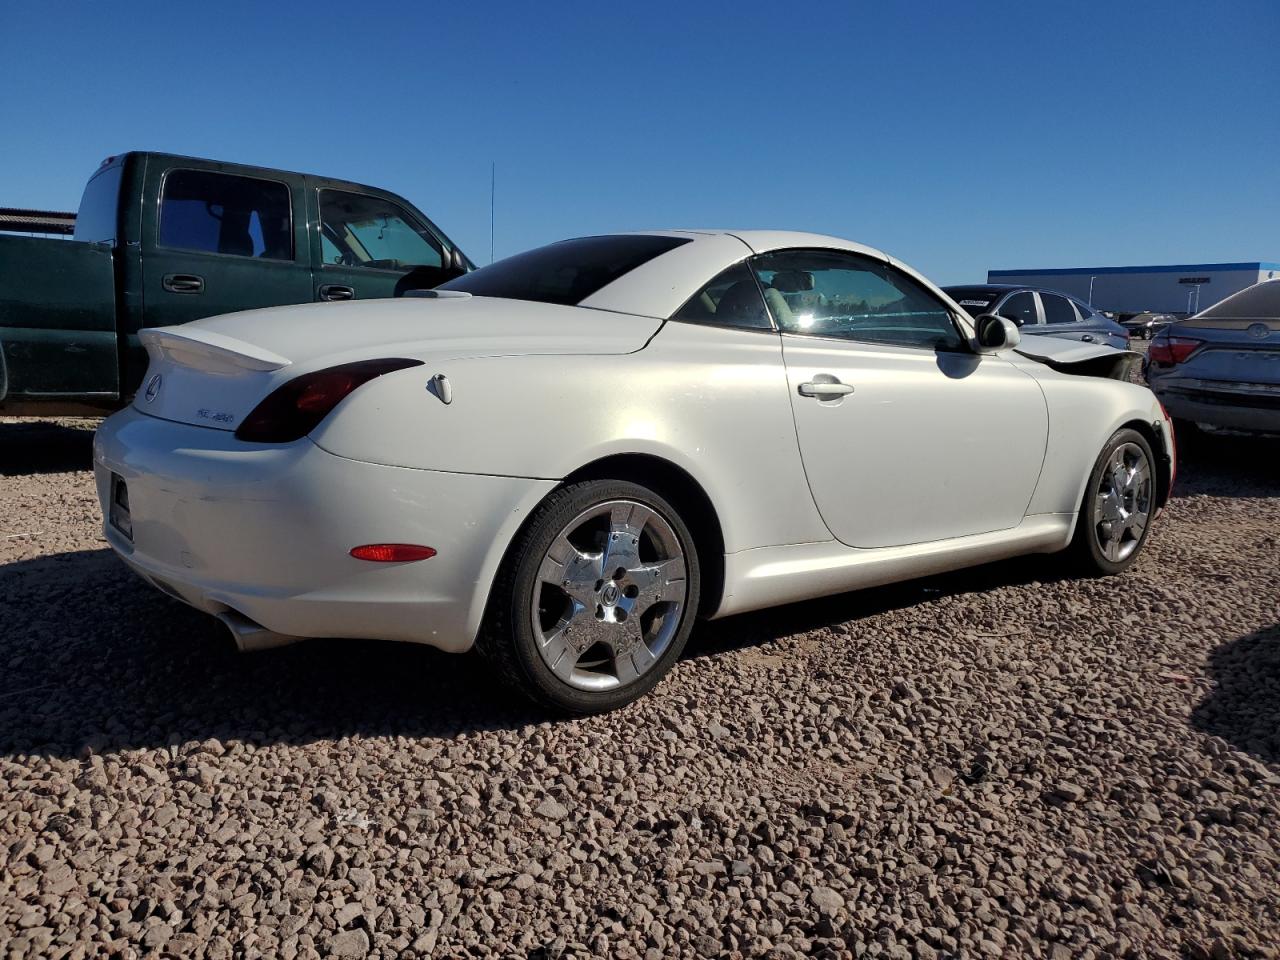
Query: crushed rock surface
{"type": "Point", "coordinates": [1002, 762]}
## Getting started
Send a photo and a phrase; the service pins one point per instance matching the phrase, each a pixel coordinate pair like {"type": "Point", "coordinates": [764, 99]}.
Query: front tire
{"type": "Point", "coordinates": [596, 598]}
{"type": "Point", "coordinates": [1118, 507]}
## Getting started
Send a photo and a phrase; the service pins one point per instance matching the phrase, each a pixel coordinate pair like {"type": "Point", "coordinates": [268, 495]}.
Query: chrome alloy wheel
{"type": "Point", "coordinates": [609, 595]}
{"type": "Point", "coordinates": [1122, 502]}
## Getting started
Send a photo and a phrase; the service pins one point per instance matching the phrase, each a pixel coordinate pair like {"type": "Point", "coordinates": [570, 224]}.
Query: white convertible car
{"type": "Point", "coordinates": [566, 457]}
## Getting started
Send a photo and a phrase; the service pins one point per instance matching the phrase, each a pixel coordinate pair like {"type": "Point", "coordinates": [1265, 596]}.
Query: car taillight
{"type": "Point", "coordinates": [293, 410]}
{"type": "Point", "coordinates": [1173, 350]}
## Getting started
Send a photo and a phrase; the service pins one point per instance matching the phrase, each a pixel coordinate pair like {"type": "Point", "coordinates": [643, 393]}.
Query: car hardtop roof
{"type": "Point", "coordinates": [764, 241]}
{"type": "Point", "coordinates": [992, 287]}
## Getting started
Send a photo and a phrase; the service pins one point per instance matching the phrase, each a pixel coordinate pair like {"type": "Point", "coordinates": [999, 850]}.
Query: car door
{"type": "Point", "coordinates": [365, 242]}
{"type": "Point", "coordinates": [1100, 327]}
{"type": "Point", "coordinates": [1062, 321]}
{"type": "Point", "coordinates": [907, 436]}
{"type": "Point", "coordinates": [216, 242]}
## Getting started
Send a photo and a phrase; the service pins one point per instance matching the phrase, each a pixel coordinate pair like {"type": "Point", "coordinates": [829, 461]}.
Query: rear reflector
{"type": "Point", "coordinates": [393, 552]}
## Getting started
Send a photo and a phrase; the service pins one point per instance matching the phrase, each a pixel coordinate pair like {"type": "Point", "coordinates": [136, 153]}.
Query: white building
{"type": "Point", "coordinates": [1177, 288]}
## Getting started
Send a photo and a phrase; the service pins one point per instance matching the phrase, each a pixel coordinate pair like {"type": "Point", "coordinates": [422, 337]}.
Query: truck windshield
{"type": "Point", "coordinates": [96, 219]}
{"type": "Point", "coordinates": [566, 272]}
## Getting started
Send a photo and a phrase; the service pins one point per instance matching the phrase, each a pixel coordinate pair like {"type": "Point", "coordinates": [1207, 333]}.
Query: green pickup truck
{"type": "Point", "coordinates": [161, 239]}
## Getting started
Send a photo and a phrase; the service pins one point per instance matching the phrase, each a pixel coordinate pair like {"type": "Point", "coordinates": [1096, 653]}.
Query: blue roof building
{"type": "Point", "coordinates": [1171, 288]}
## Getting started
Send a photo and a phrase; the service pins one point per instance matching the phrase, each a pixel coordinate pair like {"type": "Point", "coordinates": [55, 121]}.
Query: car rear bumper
{"type": "Point", "coordinates": [265, 532]}
{"type": "Point", "coordinates": [1256, 410]}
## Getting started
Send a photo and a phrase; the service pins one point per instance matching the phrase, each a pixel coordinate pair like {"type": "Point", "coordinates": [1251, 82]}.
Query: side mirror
{"type": "Point", "coordinates": [996, 333]}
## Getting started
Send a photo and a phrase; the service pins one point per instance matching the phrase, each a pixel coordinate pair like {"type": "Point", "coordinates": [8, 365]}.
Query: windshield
{"type": "Point", "coordinates": [566, 272]}
{"type": "Point", "coordinates": [974, 299]}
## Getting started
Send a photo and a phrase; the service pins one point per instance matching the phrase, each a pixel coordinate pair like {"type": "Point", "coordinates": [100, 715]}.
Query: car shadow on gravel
{"type": "Point", "coordinates": [91, 655]}
{"type": "Point", "coordinates": [1227, 466]}
{"type": "Point", "coordinates": [765, 626]}
{"type": "Point", "coordinates": [42, 446]}
{"type": "Point", "coordinates": [1244, 706]}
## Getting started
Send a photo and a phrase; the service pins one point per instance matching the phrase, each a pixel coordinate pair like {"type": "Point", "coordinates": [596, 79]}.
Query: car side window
{"type": "Point", "coordinates": [1084, 311]}
{"type": "Point", "coordinates": [732, 299]}
{"type": "Point", "coordinates": [830, 293]}
{"type": "Point", "coordinates": [223, 213]}
{"type": "Point", "coordinates": [1021, 309]}
{"type": "Point", "coordinates": [357, 230]}
{"type": "Point", "coordinates": [1057, 309]}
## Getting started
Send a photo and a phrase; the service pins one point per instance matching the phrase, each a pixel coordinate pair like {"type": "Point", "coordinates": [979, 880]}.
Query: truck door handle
{"type": "Point", "coordinates": [825, 389]}
{"type": "Point", "coordinates": [336, 291]}
{"type": "Point", "coordinates": [183, 283]}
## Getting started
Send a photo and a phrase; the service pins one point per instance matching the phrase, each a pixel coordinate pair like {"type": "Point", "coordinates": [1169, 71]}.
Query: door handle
{"type": "Point", "coordinates": [336, 291]}
{"type": "Point", "coordinates": [183, 283]}
{"type": "Point", "coordinates": [1087, 338]}
{"type": "Point", "coordinates": [825, 389]}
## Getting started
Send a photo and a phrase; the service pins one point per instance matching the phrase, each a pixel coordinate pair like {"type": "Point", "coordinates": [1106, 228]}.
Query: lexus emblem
{"type": "Point", "coordinates": [1258, 331]}
{"type": "Point", "coordinates": [153, 387]}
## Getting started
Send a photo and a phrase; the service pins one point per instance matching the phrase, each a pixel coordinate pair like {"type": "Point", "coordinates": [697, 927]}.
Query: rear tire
{"type": "Point", "coordinates": [1118, 506]}
{"type": "Point", "coordinates": [595, 599]}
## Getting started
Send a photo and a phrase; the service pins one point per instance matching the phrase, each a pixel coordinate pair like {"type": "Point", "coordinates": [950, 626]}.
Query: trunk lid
{"type": "Point", "coordinates": [212, 373]}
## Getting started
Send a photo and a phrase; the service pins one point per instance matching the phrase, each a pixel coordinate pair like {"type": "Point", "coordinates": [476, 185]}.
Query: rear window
{"type": "Point", "coordinates": [974, 300]}
{"type": "Point", "coordinates": [1261, 301]}
{"type": "Point", "coordinates": [566, 272]}
{"type": "Point", "coordinates": [96, 218]}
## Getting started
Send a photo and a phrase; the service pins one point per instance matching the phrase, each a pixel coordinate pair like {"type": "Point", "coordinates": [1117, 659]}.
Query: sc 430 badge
{"type": "Point", "coordinates": [216, 416]}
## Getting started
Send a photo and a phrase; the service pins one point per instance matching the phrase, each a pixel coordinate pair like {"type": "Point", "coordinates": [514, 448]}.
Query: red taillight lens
{"type": "Point", "coordinates": [1172, 350]}
{"type": "Point", "coordinates": [393, 552]}
{"type": "Point", "coordinates": [293, 410]}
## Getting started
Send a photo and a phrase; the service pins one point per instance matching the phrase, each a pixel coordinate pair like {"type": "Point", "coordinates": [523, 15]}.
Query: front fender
{"type": "Point", "coordinates": [1083, 414]}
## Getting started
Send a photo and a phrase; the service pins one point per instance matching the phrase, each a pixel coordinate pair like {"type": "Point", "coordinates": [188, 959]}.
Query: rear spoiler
{"type": "Point", "coordinates": [208, 351]}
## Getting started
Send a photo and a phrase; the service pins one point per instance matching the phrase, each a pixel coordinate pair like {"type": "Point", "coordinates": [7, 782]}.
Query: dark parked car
{"type": "Point", "coordinates": [1221, 368]}
{"type": "Point", "coordinates": [1147, 324]}
{"type": "Point", "coordinates": [1044, 312]}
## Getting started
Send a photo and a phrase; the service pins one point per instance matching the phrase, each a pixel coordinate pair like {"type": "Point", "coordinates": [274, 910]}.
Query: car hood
{"type": "Point", "coordinates": [1084, 359]}
{"type": "Point", "coordinates": [213, 372]}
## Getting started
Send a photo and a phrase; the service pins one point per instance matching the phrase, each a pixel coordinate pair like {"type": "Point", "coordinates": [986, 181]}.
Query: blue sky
{"type": "Point", "coordinates": [956, 136]}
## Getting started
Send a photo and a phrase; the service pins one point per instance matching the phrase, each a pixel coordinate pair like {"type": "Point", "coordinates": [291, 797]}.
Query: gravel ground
{"type": "Point", "coordinates": [995, 763]}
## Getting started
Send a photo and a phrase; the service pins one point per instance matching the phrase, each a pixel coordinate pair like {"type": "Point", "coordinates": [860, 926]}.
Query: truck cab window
{"type": "Point", "coordinates": [357, 230]}
{"type": "Point", "coordinates": [221, 213]}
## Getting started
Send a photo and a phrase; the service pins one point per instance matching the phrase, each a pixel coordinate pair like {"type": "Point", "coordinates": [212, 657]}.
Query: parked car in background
{"type": "Point", "coordinates": [1221, 367]}
{"type": "Point", "coordinates": [1146, 325]}
{"type": "Point", "coordinates": [162, 239]}
{"type": "Point", "coordinates": [1043, 312]}
{"type": "Point", "coordinates": [567, 456]}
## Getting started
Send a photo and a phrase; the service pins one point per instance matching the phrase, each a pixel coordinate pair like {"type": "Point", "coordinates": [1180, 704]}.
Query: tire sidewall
{"type": "Point", "coordinates": [1090, 549]}
{"type": "Point", "coordinates": [544, 527]}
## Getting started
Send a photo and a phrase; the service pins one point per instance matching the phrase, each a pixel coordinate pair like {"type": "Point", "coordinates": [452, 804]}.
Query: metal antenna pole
{"type": "Point", "coordinates": [493, 181]}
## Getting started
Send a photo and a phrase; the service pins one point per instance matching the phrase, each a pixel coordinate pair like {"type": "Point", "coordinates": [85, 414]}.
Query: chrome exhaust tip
{"type": "Point", "coordinates": [250, 636]}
